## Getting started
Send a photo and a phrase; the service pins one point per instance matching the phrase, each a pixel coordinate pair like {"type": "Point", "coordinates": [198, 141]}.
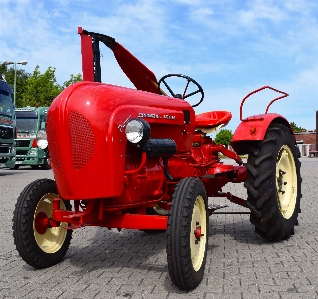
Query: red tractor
{"type": "Point", "coordinates": [142, 159]}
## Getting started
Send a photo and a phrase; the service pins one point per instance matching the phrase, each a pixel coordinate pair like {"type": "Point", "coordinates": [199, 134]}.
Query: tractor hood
{"type": "Point", "coordinates": [87, 140]}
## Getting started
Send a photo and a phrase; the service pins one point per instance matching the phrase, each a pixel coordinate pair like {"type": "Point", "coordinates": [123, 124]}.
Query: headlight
{"type": "Point", "coordinates": [137, 130]}
{"type": "Point", "coordinates": [41, 139]}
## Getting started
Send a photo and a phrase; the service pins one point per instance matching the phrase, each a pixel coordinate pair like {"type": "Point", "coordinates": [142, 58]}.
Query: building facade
{"type": "Point", "coordinates": [306, 141]}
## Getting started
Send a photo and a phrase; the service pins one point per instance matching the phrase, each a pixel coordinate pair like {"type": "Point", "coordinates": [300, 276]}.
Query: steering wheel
{"type": "Point", "coordinates": [184, 95]}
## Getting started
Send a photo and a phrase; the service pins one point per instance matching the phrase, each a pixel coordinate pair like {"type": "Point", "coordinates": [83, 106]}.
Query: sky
{"type": "Point", "coordinates": [229, 47]}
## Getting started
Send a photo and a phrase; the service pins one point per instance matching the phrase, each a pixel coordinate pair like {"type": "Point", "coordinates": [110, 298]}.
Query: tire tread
{"type": "Point", "coordinates": [23, 218]}
{"type": "Point", "coordinates": [261, 185]}
{"type": "Point", "coordinates": [178, 248]}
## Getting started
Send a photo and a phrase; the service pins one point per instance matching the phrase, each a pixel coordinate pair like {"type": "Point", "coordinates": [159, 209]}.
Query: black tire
{"type": "Point", "coordinates": [46, 163]}
{"type": "Point", "coordinates": [186, 252]}
{"type": "Point", "coordinates": [47, 248]}
{"type": "Point", "coordinates": [274, 184]}
{"type": "Point", "coordinates": [15, 167]}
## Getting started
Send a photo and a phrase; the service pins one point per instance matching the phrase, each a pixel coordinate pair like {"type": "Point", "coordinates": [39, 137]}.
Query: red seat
{"type": "Point", "coordinates": [209, 122]}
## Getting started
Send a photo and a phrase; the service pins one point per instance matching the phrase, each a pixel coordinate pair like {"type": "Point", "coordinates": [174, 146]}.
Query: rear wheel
{"type": "Point", "coordinates": [274, 184]}
{"type": "Point", "coordinates": [39, 244]}
{"type": "Point", "coordinates": [187, 234]}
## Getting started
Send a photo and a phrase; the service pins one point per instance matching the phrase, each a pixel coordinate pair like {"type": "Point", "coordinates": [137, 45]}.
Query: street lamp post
{"type": "Point", "coordinates": [23, 62]}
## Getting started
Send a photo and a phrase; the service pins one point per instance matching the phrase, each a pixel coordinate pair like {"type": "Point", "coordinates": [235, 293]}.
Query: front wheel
{"type": "Point", "coordinates": [273, 184]}
{"type": "Point", "coordinates": [38, 244]}
{"type": "Point", "coordinates": [187, 234]}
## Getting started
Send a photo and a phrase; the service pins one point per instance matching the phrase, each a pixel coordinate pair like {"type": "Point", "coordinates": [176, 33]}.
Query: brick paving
{"type": "Point", "coordinates": [104, 263]}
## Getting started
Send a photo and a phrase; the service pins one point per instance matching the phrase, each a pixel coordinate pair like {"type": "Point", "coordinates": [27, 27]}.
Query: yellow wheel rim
{"type": "Point", "coordinates": [53, 238]}
{"type": "Point", "coordinates": [198, 233]}
{"type": "Point", "coordinates": [286, 181]}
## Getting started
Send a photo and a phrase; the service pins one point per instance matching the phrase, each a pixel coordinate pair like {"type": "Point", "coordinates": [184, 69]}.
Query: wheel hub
{"type": "Point", "coordinates": [41, 223]}
{"type": "Point", "coordinates": [198, 233]}
{"type": "Point", "coordinates": [280, 181]}
{"type": "Point", "coordinates": [49, 239]}
{"type": "Point", "coordinates": [286, 181]}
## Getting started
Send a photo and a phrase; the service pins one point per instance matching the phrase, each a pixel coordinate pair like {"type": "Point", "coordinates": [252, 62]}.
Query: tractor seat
{"type": "Point", "coordinates": [210, 122]}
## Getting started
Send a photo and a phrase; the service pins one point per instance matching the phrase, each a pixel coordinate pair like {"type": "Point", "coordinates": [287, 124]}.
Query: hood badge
{"type": "Point", "coordinates": [158, 116]}
{"type": "Point", "coordinates": [121, 127]}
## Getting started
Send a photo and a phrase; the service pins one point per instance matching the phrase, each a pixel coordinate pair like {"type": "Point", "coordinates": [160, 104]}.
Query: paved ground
{"type": "Point", "coordinates": [105, 263]}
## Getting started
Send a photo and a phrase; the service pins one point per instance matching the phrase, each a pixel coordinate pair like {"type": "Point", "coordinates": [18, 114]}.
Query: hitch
{"type": "Point", "coordinates": [237, 200]}
{"type": "Point", "coordinates": [222, 149]}
{"type": "Point", "coordinates": [212, 208]}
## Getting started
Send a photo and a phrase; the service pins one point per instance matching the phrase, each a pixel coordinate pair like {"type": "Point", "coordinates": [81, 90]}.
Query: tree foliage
{"type": "Point", "coordinates": [297, 129]}
{"type": "Point", "coordinates": [224, 137]}
{"type": "Point", "coordinates": [21, 81]}
{"type": "Point", "coordinates": [73, 79]}
{"type": "Point", "coordinates": [36, 88]}
{"type": "Point", "coordinates": [41, 89]}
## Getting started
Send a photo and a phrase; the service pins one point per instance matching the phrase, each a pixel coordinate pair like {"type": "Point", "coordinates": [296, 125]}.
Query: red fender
{"type": "Point", "coordinates": [254, 128]}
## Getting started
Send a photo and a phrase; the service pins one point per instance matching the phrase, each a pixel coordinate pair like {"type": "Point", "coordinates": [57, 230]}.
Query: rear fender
{"type": "Point", "coordinates": [253, 129]}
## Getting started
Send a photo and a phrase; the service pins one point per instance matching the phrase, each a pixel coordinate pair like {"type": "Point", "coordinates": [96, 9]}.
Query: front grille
{"type": "Point", "coordinates": [82, 139]}
{"type": "Point", "coordinates": [22, 153]}
{"type": "Point", "coordinates": [51, 137]}
{"type": "Point", "coordinates": [6, 132]}
{"type": "Point", "coordinates": [22, 142]}
{"type": "Point", "coordinates": [4, 149]}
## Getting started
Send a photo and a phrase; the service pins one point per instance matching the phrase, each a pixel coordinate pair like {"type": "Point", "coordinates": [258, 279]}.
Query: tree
{"type": "Point", "coordinates": [224, 137]}
{"type": "Point", "coordinates": [36, 88]}
{"type": "Point", "coordinates": [72, 80]}
{"type": "Point", "coordinates": [42, 89]}
{"type": "Point", "coordinates": [297, 129]}
{"type": "Point", "coordinates": [21, 81]}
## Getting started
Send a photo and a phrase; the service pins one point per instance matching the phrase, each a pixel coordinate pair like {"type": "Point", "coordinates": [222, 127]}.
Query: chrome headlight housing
{"type": "Point", "coordinates": [137, 130]}
{"type": "Point", "coordinates": [41, 139]}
